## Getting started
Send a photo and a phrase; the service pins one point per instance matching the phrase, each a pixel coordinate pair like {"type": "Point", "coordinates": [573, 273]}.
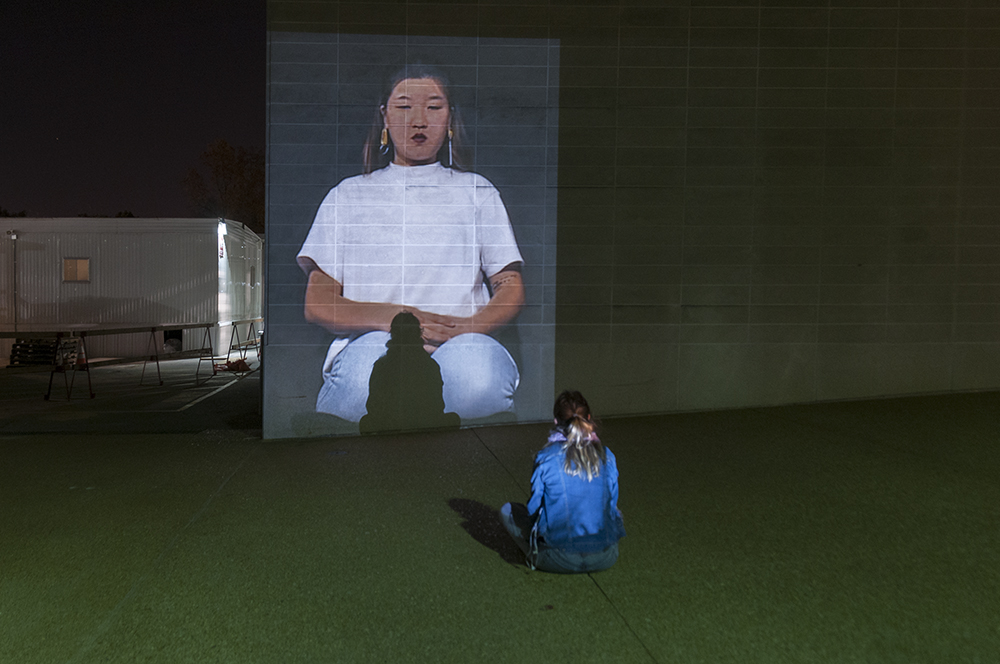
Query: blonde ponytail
{"type": "Point", "coordinates": [584, 450]}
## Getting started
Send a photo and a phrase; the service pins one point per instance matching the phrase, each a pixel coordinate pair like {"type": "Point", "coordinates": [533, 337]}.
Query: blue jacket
{"type": "Point", "coordinates": [570, 513]}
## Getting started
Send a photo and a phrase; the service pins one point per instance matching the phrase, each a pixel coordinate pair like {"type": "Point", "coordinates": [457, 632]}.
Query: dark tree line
{"type": "Point", "coordinates": [229, 183]}
{"type": "Point", "coordinates": [123, 214]}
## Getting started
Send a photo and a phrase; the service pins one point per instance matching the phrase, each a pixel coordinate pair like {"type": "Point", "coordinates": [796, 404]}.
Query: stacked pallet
{"type": "Point", "coordinates": [33, 352]}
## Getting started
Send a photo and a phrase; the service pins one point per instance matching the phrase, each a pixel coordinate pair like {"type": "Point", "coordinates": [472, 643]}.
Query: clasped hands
{"type": "Point", "coordinates": [435, 329]}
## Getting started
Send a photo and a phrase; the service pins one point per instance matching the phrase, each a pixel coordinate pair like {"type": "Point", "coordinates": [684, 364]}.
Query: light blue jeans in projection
{"type": "Point", "coordinates": [480, 377]}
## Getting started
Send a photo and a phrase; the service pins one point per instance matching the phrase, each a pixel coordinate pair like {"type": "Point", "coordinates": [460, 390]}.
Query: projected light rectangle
{"type": "Point", "coordinates": [409, 173]}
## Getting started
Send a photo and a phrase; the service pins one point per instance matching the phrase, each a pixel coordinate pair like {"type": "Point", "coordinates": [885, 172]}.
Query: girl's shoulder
{"type": "Point", "coordinates": [552, 450]}
{"type": "Point", "coordinates": [456, 178]}
{"type": "Point", "coordinates": [380, 176]}
{"type": "Point", "coordinates": [611, 463]}
{"type": "Point", "coordinates": [364, 189]}
{"type": "Point", "coordinates": [346, 187]}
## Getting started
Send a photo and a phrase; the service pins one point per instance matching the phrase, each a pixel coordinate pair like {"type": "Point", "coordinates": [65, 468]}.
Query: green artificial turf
{"type": "Point", "coordinates": [847, 532]}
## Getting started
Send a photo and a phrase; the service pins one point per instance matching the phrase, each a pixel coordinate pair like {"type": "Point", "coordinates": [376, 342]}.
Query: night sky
{"type": "Point", "coordinates": [104, 106]}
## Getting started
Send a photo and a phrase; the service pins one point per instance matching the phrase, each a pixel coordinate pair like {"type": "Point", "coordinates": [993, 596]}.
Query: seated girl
{"type": "Point", "coordinates": [572, 523]}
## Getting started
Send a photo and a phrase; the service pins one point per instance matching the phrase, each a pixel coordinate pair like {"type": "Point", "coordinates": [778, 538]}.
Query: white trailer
{"type": "Point", "coordinates": [82, 274]}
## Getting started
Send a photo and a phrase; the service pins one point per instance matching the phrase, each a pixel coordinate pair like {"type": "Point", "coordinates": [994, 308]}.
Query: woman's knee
{"type": "Point", "coordinates": [480, 361]}
{"type": "Point", "coordinates": [480, 377]}
{"type": "Point", "coordinates": [345, 385]}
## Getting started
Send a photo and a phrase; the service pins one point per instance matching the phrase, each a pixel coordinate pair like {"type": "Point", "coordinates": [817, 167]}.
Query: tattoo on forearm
{"type": "Point", "coordinates": [502, 280]}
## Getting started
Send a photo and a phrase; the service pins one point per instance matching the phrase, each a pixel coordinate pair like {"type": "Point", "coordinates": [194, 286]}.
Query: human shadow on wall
{"type": "Point", "coordinates": [482, 522]}
{"type": "Point", "coordinates": [405, 388]}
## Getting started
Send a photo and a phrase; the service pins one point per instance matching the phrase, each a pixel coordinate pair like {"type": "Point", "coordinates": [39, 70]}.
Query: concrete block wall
{"type": "Point", "coordinates": [759, 201]}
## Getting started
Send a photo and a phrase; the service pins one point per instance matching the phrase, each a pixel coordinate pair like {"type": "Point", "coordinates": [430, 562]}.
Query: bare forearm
{"type": "Point", "coordinates": [507, 300]}
{"type": "Point", "coordinates": [347, 317]}
{"type": "Point", "coordinates": [325, 306]}
{"type": "Point", "coordinates": [505, 304]}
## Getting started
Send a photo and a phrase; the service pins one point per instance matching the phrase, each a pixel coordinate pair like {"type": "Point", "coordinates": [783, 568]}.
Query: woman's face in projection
{"type": "Point", "coordinates": [417, 118]}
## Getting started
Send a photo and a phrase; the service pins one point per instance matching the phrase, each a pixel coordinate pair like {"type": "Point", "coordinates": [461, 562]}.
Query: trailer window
{"type": "Point", "coordinates": [76, 269]}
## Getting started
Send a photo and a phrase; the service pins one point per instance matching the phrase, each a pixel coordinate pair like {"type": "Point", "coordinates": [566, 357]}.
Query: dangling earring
{"type": "Point", "coordinates": [451, 159]}
{"type": "Point", "coordinates": [383, 145]}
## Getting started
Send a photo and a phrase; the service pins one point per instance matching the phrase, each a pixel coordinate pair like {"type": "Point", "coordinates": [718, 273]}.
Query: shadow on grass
{"type": "Point", "coordinates": [482, 522]}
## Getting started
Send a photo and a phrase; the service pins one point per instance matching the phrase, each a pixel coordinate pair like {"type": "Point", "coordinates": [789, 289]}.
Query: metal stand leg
{"type": "Point", "coordinates": [234, 337]}
{"type": "Point", "coordinates": [85, 364]}
{"type": "Point", "coordinates": [155, 357]}
{"type": "Point", "coordinates": [206, 346]}
{"type": "Point", "coordinates": [256, 340]}
{"type": "Point", "coordinates": [61, 365]}
{"type": "Point", "coordinates": [55, 364]}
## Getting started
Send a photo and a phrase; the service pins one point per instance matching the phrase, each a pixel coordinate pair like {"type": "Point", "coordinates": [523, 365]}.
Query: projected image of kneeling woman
{"type": "Point", "coordinates": [416, 232]}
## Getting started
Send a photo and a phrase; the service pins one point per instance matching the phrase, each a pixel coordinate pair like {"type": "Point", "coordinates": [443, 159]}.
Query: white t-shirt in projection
{"type": "Point", "coordinates": [422, 236]}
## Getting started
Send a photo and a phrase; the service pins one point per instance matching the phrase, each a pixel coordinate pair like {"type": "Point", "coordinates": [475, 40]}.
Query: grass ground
{"type": "Point", "coordinates": [150, 526]}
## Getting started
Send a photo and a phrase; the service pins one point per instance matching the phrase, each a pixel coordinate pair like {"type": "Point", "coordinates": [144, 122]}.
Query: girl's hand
{"type": "Point", "coordinates": [507, 300]}
{"type": "Point", "coordinates": [437, 329]}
